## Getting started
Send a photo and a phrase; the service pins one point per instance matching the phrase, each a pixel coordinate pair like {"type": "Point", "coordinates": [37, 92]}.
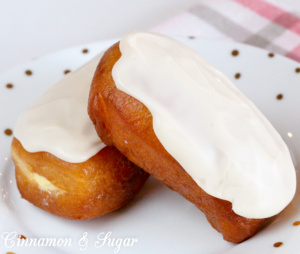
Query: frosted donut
{"type": "Point", "coordinates": [61, 164]}
{"type": "Point", "coordinates": [135, 71]}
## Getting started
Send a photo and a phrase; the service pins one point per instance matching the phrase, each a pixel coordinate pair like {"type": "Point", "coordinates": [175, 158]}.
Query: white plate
{"type": "Point", "coordinates": [161, 220]}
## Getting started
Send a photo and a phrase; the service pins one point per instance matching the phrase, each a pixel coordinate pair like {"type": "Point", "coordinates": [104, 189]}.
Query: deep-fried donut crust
{"type": "Point", "coordinates": [124, 122]}
{"type": "Point", "coordinates": [102, 184]}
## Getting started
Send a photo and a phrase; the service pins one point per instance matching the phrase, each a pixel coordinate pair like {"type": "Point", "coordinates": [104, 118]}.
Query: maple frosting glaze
{"type": "Point", "coordinates": [214, 132]}
{"type": "Point", "coordinates": [58, 122]}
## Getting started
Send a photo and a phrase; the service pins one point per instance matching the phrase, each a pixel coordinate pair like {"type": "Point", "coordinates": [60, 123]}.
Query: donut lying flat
{"type": "Point", "coordinates": [124, 122]}
{"type": "Point", "coordinates": [80, 191]}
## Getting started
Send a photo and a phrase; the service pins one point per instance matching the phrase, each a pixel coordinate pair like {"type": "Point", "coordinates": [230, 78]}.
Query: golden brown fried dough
{"type": "Point", "coordinates": [124, 122]}
{"type": "Point", "coordinates": [102, 184]}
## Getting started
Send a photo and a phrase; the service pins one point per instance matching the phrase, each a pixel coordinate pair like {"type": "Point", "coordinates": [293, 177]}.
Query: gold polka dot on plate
{"type": "Point", "coordinates": [66, 71]}
{"type": "Point", "coordinates": [279, 96]}
{"type": "Point", "coordinates": [278, 244]}
{"type": "Point", "coordinates": [296, 223]}
{"type": "Point", "coordinates": [28, 72]}
{"type": "Point", "coordinates": [9, 85]}
{"type": "Point", "coordinates": [10, 252]}
{"type": "Point", "coordinates": [237, 76]}
{"type": "Point", "coordinates": [191, 37]}
{"type": "Point", "coordinates": [22, 237]}
{"type": "Point", "coordinates": [271, 54]}
{"type": "Point", "coordinates": [297, 70]}
{"type": "Point", "coordinates": [8, 132]}
{"type": "Point", "coordinates": [84, 51]}
{"type": "Point", "coordinates": [235, 52]}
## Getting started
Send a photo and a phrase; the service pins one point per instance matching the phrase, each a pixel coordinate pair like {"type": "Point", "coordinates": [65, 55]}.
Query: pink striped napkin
{"type": "Point", "coordinates": [254, 22]}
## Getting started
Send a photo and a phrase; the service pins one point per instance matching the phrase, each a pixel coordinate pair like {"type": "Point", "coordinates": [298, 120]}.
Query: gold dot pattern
{"type": "Point", "coordinates": [191, 37]}
{"type": "Point", "coordinates": [237, 76]}
{"type": "Point", "coordinates": [235, 52]}
{"type": "Point", "coordinates": [28, 72]}
{"type": "Point", "coordinates": [8, 132]}
{"type": "Point", "coordinates": [278, 244]}
{"type": "Point", "coordinates": [271, 55]}
{"type": "Point", "coordinates": [279, 97]}
{"type": "Point", "coordinates": [296, 223]}
{"type": "Point", "coordinates": [22, 237]}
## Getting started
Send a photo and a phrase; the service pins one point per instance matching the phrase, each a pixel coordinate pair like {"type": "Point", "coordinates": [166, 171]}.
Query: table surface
{"type": "Point", "coordinates": [33, 28]}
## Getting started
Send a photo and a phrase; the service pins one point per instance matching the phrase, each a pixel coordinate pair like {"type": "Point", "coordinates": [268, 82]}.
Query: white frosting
{"type": "Point", "coordinates": [58, 121]}
{"type": "Point", "coordinates": [216, 134]}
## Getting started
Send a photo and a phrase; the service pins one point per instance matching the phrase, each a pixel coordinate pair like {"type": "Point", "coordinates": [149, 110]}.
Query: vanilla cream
{"type": "Point", "coordinates": [216, 134]}
{"type": "Point", "coordinates": [42, 182]}
{"type": "Point", "coordinates": [58, 121]}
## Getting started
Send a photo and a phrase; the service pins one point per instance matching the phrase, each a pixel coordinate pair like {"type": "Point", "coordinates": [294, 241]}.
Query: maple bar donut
{"type": "Point", "coordinates": [61, 165]}
{"type": "Point", "coordinates": [181, 120]}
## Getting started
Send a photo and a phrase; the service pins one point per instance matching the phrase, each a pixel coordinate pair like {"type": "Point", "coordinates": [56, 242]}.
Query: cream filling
{"type": "Point", "coordinates": [216, 134]}
{"type": "Point", "coordinates": [43, 183]}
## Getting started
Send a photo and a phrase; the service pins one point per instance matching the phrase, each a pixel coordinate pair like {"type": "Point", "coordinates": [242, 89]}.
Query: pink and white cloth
{"type": "Point", "coordinates": [255, 22]}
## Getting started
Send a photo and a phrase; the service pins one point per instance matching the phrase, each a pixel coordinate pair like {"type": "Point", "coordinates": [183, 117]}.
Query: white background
{"type": "Point", "coordinates": [33, 28]}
